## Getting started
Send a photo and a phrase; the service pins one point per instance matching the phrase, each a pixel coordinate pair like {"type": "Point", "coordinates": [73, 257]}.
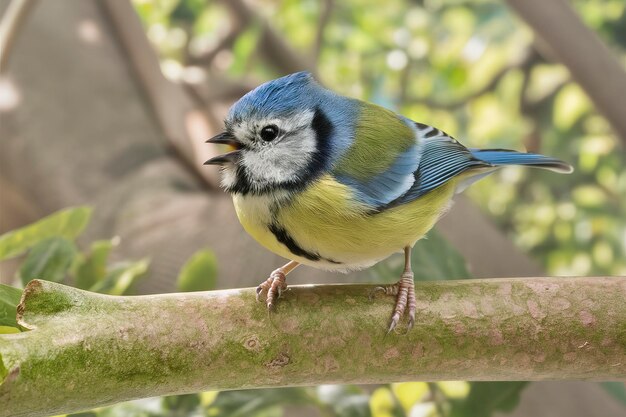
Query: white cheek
{"type": "Point", "coordinates": [282, 161]}
{"type": "Point", "coordinates": [229, 176]}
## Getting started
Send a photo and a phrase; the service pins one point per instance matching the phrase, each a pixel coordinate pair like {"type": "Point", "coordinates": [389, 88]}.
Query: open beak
{"type": "Point", "coordinates": [225, 138]}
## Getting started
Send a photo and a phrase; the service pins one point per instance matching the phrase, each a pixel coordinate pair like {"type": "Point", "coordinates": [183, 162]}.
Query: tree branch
{"type": "Point", "coordinates": [85, 350]}
{"type": "Point", "coordinates": [274, 48]}
{"type": "Point", "coordinates": [206, 58]}
{"type": "Point", "coordinates": [172, 107]}
{"type": "Point", "coordinates": [525, 60]}
{"type": "Point", "coordinates": [326, 13]}
{"type": "Point", "coordinates": [10, 25]}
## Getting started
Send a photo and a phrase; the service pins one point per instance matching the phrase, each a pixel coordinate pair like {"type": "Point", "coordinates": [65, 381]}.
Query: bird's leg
{"type": "Point", "coordinates": [405, 293]}
{"type": "Point", "coordinates": [275, 284]}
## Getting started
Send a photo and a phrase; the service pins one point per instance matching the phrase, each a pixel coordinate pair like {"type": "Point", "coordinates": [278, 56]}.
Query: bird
{"type": "Point", "coordinates": [337, 183]}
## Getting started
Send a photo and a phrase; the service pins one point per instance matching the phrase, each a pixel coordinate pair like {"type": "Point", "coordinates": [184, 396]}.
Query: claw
{"type": "Point", "coordinates": [375, 290]}
{"type": "Point", "coordinates": [273, 288]}
{"type": "Point", "coordinates": [394, 322]}
{"type": "Point", "coordinates": [385, 289]}
{"type": "Point", "coordinates": [405, 292]}
{"type": "Point", "coordinates": [263, 287]}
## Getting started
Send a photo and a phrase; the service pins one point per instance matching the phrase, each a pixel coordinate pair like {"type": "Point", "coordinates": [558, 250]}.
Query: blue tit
{"type": "Point", "coordinates": [340, 184]}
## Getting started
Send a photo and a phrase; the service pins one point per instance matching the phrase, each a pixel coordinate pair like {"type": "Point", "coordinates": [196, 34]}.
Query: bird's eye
{"type": "Point", "coordinates": [269, 133]}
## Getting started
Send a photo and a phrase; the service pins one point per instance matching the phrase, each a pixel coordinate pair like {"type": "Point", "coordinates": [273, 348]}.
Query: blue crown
{"type": "Point", "coordinates": [281, 97]}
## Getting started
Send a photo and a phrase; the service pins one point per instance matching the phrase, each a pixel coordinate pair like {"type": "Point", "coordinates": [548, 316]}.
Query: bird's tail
{"type": "Point", "coordinates": [499, 157]}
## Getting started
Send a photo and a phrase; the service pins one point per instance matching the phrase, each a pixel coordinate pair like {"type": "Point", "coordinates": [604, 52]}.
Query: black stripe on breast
{"type": "Point", "coordinates": [285, 238]}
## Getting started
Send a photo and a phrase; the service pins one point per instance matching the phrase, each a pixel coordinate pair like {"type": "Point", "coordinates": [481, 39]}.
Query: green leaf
{"type": "Point", "coordinates": [382, 403]}
{"type": "Point", "coordinates": [570, 104]}
{"type": "Point", "coordinates": [3, 370]}
{"type": "Point", "coordinates": [121, 278]}
{"type": "Point", "coordinates": [454, 389]}
{"type": "Point", "coordinates": [183, 404]}
{"type": "Point", "coordinates": [9, 330]}
{"type": "Point", "coordinates": [199, 273]}
{"type": "Point", "coordinates": [616, 389]}
{"type": "Point", "coordinates": [49, 259]}
{"type": "Point", "coordinates": [348, 401]}
{"type": "Point", "coordinates": [9, 299]}
{"type": "Point", "coordinates": [485, 398]}
{"type": "Point", "coordinates": [245, 47]}
{"type": "Point", "coordinates": [68, 223]}
{"type": "Point", "coordinates": [146, 407]}
{"type": "Point", "coordinates": [436, 259]}
{"type": "Point", "coordinates": [92, 268]}
{"type": "Point", "coordinates": [246, 403]}
{"type": "Point", "coordinates": [409, 393]}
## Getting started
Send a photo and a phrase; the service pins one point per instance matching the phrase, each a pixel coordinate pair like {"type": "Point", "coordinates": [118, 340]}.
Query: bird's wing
{"type": "Point", "coordinates": [442, 158]}
{"type": "Point", "coordinates": [380, 162]}
{"type": "Point", "coordinates": [393, 163]}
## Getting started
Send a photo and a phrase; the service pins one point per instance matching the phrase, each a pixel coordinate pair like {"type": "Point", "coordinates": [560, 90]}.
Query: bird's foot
{"type": "Point", "coordinates": [272, 288]}
{"type": "Point", "coordinates": [404, 290]}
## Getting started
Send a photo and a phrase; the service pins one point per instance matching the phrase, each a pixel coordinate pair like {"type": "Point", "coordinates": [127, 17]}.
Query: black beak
{"type": "Point", "coordinates": [225, 138]}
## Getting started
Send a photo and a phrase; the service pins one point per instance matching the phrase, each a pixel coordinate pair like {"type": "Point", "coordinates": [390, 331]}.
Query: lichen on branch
{"type": "Point", "coordinates": [85, 350]}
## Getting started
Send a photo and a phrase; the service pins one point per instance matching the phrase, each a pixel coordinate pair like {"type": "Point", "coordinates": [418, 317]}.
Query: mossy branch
{"type": "Point", "coordinates": [84, 350]}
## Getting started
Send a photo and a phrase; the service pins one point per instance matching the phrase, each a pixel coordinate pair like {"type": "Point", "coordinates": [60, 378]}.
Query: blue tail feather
{"type": "Point", "coordinates": [500, 157]}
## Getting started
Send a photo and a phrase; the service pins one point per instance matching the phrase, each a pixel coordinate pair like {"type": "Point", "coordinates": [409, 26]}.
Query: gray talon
{"type": "Point", "coordinates": [394, 322]}
{"type": "Point", "coordinates": [411, 322]}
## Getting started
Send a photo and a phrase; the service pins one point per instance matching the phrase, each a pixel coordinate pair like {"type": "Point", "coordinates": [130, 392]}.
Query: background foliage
{"type": "Point", "coordinates": [469, 67]}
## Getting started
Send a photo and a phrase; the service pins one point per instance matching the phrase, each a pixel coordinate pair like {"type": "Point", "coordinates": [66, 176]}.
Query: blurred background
{"type": "Point", "coordinates": [107, 104]}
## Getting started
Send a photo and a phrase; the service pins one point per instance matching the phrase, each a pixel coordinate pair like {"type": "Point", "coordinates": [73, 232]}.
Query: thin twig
{"type": "Point", "coordinates": [10, 25]}
{"type": "Point", "coordinates": [206, 58]}
{"type": "Point", "coordinates": [273, 47]}
{"type": "Point", "coordinates": [527, 57]}
{"type": "Point", "coordinates": [436, 396]}
{"type": "Point", "coordinates": [326, 12]}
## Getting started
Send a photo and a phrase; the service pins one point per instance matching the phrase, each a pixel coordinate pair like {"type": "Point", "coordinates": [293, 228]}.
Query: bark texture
{"type": "Point", "coordinates": [85, 350]}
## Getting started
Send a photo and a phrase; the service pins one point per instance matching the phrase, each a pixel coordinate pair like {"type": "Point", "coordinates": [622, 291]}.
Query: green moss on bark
{"type": "Point", "coordinates": [86, 350]}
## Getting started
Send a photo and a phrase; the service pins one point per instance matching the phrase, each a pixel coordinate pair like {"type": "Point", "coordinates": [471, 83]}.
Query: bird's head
{"type": "Point", "coordinates": [281, 135]}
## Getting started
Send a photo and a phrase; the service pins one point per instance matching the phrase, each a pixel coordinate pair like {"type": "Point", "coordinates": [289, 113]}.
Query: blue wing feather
{"type": "Point", "coordinates": [442, 159]}
{"type": "Point", "coordinates": [434, 160]}
{"type": "Point", "coordinates": [499, 157]}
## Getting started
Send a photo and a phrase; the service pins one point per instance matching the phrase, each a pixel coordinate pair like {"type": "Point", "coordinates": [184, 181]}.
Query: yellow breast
{"type": "Point", "coordinates": [327, 220]}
